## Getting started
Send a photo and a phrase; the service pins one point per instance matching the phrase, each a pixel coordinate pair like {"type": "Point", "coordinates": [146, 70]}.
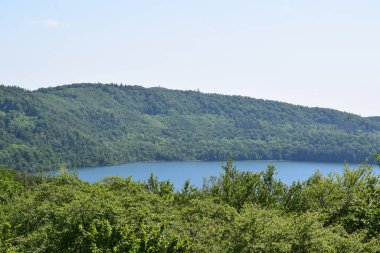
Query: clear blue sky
{"type": "Point", "coordinates": [322, 53]}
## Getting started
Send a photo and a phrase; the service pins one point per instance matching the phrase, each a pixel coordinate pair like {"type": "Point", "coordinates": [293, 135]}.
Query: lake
{"type": "Point", "coordinates": [178, 172]}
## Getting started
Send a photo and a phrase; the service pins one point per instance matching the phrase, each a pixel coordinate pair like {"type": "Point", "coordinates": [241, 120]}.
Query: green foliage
{"type": "Point", "coordinates": [235, 212]}
{"type": "Point", "coordinates": [162, 188]}
{"type": "Point", "coordinates": [238, 188]}
{"type": "Point", "coordinates": [95, 124]}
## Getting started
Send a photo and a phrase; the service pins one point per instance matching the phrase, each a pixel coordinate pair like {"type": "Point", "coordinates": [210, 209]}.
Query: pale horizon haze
{"type": "Point", "coordinates": [314, 53]}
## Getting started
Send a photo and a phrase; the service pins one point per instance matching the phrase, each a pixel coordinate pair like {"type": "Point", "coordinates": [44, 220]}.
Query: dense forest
{"type": "Point", "coordinates": [96, 124]}
{"type": "Point", "coordinates": [234, 212]}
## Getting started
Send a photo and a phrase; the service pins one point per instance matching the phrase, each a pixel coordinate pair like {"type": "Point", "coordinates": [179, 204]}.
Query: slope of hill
{"type": "Point", "coordinates": [375, 118]}
{"type": "Point", "coordinates": [97, 124]}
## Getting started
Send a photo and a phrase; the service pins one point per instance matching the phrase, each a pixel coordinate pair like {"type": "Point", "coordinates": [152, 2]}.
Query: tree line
{"type": "Point", "coordinates": [234, 212]}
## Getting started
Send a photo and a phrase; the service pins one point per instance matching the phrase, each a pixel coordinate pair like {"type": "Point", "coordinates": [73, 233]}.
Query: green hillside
{"type": "Point", "coordinates": [376, 119]}
{"type": "Point", "coordinates": [97, 124]}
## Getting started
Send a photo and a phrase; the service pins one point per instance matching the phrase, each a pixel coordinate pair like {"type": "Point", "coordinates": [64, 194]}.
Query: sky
{"type": "Point", "coordinates": [323, 53]}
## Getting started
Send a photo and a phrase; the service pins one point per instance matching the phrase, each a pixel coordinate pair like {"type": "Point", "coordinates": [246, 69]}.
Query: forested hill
{"type": "Point", "coordinates": [377, 119]}
{"type": "Point", "coordinates": [96, 124]}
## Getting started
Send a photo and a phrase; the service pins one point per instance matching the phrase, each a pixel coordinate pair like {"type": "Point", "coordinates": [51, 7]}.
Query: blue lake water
{"type": "Point", "coordinates": [178, 172]}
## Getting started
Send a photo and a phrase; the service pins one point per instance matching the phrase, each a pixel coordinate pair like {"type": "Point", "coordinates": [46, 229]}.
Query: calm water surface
{"type": "Point", "coordinates": [178, 172]}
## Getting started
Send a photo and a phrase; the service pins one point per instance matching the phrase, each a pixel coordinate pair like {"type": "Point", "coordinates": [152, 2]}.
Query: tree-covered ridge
{"type": "Point", "coordinates": [235, 212]}
{"type": "Point", "coordinates": [97, 124]}
{"type": "Point", "coordinates": [375, 119]}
